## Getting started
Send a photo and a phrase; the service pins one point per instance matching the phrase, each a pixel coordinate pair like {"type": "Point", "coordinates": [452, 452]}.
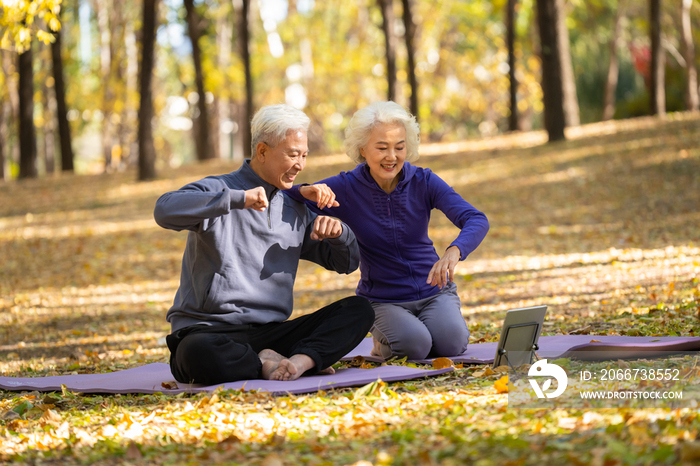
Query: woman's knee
{"type": "Point", "coordinates": [414, 343]}
{"type": "Point", "coordinates": [452, 341]}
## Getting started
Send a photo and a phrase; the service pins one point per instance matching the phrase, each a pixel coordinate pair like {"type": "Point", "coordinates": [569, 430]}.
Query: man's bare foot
{"type": "Point", "coordinates": [292, 368]}
{"type": "Point", "coordinates": [270, 361]}
{"type": "Point", "coordinates": [327, 371]}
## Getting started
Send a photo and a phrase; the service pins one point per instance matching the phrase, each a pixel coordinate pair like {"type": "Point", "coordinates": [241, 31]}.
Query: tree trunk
{"type": "Point", "coordinates": [657, 99]}
{"type": "Point", "coordinates": [390, 43]}
{"type": "Point", "coordinates": [3, 138]}
{"type": "Point", "coordinates": [147, 153]}
{"type": "Point", "coordinates": [132, 82]}
{"type": "Point", "coordinates": [244, 42]}
{"type": "Point", "coordinates": [568, 80]}
{"type": "Point", "coordinates": [203, 142]}
{"type": "Point", "coordinates": [510, 39]}
{"type": "Point", "coordinates": [104, 27]}
{"type": "Point", "coordinates": [120, 107]}
{"type": "Point", "coordinates": [48, 103]}
{"type": "Point", "coordinates": [688, 50]}
{"type": "Point", "coordinates": [552, 90]}
{"type": "Point", "coordinates": [409, 37]}
{"type": "Point", "coordinates": [61, 109]}
{"type": "Point", "coordinates": [614, 66]}
{"type": "Point", "coordinates": [27, 132]}
{"type": "Point", "coordinates": [224, 33]}
{"type": "Point", "coordinates": [8, 69]}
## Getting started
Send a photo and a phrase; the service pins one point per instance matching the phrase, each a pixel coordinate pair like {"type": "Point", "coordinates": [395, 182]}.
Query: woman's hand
{"type": "Point", "coordinates": [319, 193]}
{"type": "Point", "coordinates": [443, 271]}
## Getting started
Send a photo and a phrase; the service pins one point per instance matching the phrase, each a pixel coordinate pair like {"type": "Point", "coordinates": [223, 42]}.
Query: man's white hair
{"type": "Point", "coordinates": [362, 123]}
{"type": "Point", "coordinates": [271, 124]}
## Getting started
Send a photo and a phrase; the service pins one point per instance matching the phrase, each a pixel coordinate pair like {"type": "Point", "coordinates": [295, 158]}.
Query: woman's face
{"type": "Point", "coordinates": [385, 153]}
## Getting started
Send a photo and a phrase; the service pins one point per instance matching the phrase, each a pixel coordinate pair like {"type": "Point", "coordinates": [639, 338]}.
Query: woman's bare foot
{"type": "Point", "coordinates": [270, 361]}
{"type": "Point", "coordinates": [292, 368]}
{"type": "Point", "coordinates": [376, 348]}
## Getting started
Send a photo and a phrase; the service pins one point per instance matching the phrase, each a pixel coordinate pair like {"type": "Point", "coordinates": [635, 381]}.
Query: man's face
{"type": "Point", "coordinates": [280, 165]}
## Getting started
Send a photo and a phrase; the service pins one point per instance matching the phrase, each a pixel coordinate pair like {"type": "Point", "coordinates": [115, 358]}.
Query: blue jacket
{"type": "Point", "coordinates": [240, 264]}
{"type": "Point", "coordinates": [396, 254]}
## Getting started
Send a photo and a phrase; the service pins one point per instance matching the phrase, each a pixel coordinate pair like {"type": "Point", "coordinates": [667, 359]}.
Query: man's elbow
{"type": "Point", "coordinates": [350, 262]}
{"type": "Point", "coordinates": [160, 212]}
{"type": "Point", "coordinates": [353, 264]}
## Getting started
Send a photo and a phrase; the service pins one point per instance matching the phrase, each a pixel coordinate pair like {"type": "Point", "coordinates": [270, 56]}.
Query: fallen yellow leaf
{"type": "Point", "coordinates": [485, 373]}
{"type": "Point", "coordinates": [133, 452]}
{"type": "Point", "coordinates": [357, 361]}
{"type": "Point", "coordinates": [441, 363]}
{"type": "Point", "coordinates": [50, 417]}
{"type": "Point", "coordinates": [501, 385]}
{"type": "Point", "coordinates": [273, 459]}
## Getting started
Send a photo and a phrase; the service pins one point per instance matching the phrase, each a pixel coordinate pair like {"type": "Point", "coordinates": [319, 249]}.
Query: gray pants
{"type": "Point", "coordinates": [428, 327]}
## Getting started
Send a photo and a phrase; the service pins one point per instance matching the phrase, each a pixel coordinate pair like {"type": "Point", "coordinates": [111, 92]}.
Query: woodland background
{"type": "Point", "coordinates": [93, 84]}
{"type": "Point", "coordinates": [594, 206]}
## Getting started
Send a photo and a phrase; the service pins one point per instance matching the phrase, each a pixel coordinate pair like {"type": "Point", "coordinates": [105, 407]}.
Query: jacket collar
{"type": "Point", "coordinates": [252, 179]}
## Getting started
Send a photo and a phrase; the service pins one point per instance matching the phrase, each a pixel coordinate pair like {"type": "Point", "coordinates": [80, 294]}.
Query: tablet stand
{"type": "Point", "coordinates": [523, 344]}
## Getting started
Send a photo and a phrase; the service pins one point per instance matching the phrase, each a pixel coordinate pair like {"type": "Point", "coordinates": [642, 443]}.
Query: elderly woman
{"type": "Point", "coordinates": [387, 201]}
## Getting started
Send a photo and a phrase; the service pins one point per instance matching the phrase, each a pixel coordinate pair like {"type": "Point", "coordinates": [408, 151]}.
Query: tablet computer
{"type": "Point", "coordinates": [519, 335]}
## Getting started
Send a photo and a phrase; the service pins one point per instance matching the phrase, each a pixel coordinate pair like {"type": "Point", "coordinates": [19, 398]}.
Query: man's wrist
{"type": "Point", "coordinates": [237, 199]}
{"type": "Point", "coordinates": [342, 237]}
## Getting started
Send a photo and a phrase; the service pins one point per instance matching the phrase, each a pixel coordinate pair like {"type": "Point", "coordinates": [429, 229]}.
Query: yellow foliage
{"type": "Point", "coordinates": [441, 363]}
{"type": "Point", "coordinates": [17, 19]}
{"type": "Point", "coordinates": [501, 385]}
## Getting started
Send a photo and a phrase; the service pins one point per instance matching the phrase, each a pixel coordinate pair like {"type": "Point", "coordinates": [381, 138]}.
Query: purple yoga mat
{"type": "Point", "coordinates": [148, 379]}
{"type": "Point", "coordinates": [575, 346]}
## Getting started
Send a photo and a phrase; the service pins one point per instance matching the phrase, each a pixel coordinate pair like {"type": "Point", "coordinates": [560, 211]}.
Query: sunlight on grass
{"type": "Point", "coordinates": [684, 255]}
{"type": "Point", "coordinates": [150, 189]}
{"type": "Point", "coordinates": [85, 229]}
{"type": "Point", "coordinates": [603, 228]}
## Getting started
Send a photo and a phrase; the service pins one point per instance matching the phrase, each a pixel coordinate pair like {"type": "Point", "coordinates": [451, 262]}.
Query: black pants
{"type": "Point", "coordinates": [211, 355]}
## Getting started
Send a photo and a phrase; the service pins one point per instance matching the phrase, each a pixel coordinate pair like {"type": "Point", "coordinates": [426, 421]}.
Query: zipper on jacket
{"type": "Point", "coordinates": [398, 250]}
{"type": "Point", "coordinates": [269, 208]}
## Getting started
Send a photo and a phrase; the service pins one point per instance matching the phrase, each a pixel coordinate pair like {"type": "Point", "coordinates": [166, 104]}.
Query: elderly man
{"type": "Point", "coordinates": [229, 318]}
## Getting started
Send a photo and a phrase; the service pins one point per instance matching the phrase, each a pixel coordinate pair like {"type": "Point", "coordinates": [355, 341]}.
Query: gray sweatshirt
{"type": "Point", "coordinates": [240, 264]}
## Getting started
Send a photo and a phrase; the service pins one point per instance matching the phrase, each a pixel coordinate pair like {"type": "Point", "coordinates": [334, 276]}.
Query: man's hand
{"type": "Point", "coordinates": [319, 193]}
{"type": "Point", "coordinates": [256, 199]}
{"type": "Point", "coordinates": [443, 271]}
{"type": "Point", "coordinates": [326, 227]}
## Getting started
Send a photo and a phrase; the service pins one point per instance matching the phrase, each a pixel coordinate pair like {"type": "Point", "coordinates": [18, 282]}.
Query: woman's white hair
{"type": "Point", "coordinates": [362, 123]}
{"type": "Point", "coordinates": [271, 124]}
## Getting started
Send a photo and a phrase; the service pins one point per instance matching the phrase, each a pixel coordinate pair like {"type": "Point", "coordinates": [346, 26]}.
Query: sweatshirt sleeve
{"type": "Point", "coordinates": [197, 205]}
{"type": "Point", "coordinates": [473, 224]}
{"type": "Point", "coordinates": [340, 254]}
{"type": "Point", "coordinates": [337, 183]}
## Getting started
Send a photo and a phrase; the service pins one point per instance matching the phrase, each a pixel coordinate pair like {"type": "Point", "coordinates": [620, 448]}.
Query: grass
{"type": "Point", "coordinates": [603, 228]}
